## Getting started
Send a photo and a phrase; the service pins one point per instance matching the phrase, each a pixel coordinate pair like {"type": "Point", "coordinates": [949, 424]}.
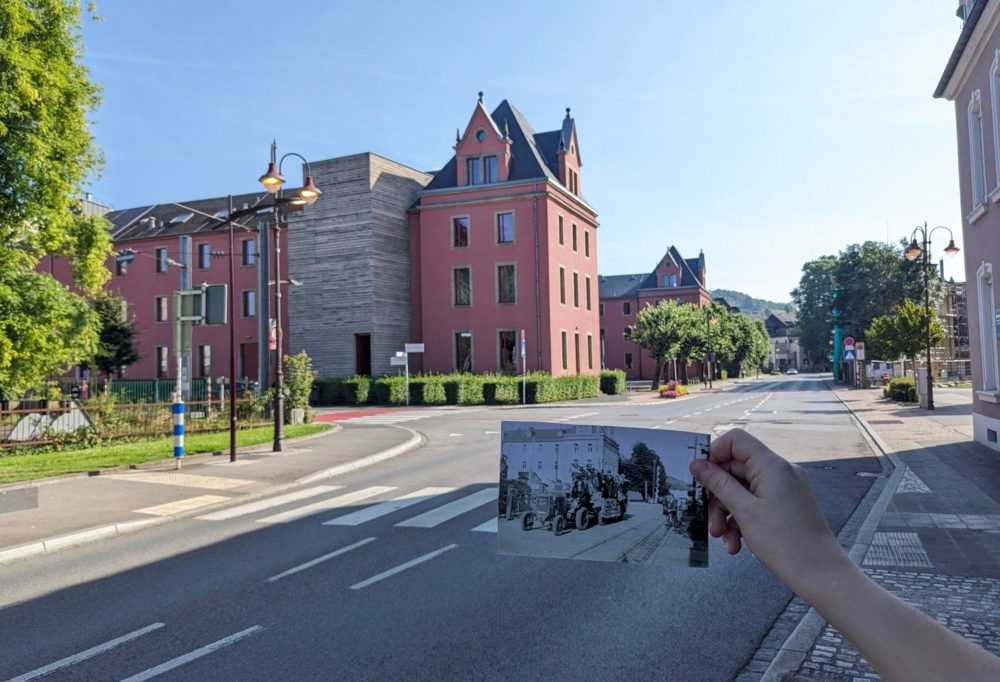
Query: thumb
{"type": "Point", "coordinates": [722, 485]}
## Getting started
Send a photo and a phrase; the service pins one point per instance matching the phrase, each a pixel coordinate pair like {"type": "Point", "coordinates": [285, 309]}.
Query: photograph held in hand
{"type": "Point", "coordinates": [603, 493]}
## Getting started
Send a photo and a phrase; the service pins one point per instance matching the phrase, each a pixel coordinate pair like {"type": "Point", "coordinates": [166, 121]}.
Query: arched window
{"type": "Point", "coordinates": [995, 110]}
{"type": "Point", "coordinates": [987, 327]}
{"type": "Point", "coordinates": [976, 151]}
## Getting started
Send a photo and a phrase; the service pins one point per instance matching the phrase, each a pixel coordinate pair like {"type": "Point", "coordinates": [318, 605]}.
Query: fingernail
{"type": "Point", "coordinates": [698, 467]}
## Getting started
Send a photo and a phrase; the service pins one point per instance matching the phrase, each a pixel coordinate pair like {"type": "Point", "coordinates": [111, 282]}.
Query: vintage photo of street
{"type": "Point", "coordinates": [604, 493]}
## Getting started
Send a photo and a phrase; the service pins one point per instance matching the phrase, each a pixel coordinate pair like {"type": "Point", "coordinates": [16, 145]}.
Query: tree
{"type": "Point", "coordinates": [47, 154]}
{"type": "Point", "coordinates": [117, 336]}
{"type": "Point", "coordinates": [903, 333]}
{"type": "Point", "coordinates": [814, 298]}
{"type": "Point", "coordinates": [641, 470]}
{"type": "Point", "coordinates": [750, 342]}
{"type": "Point", "coordinates": [662, 330]}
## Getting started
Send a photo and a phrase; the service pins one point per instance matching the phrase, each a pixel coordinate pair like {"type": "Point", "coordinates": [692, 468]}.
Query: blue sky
{"type": "Point", "coordinates": [765, 133]}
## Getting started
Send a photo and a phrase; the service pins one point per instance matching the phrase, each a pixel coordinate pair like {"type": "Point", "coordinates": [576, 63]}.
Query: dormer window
{"type": "Point", "coordinates": [473, 172]}
{"type": "Point", "coordinates": [490, 169]}
{"type": "Point", "coordinates": [667, 281]}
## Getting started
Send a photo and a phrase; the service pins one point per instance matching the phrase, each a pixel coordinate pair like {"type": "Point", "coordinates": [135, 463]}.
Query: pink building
{"type": "Point", "coordinates": [622, 296]}
{"type": "Point", "coordinates": [502, 240]}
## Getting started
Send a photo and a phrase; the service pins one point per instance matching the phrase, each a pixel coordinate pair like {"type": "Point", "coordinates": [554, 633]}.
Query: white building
{"type": "Point", "coordinates": [546, 454]}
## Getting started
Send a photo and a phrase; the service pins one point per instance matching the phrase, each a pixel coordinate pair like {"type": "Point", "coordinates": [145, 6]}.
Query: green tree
{"type": "Point", "coordinates": [116, 348]}
{"type": "Point", "coordinates": [299, 379]}
{"type": "Point", "coordinates": [814, 298]}
{"type": "Point", "coordinates": [662, 330]}
{"type": "Point", "coordinates": [46, 153]}
{"type": "Point", "coordinates": [641, 470]}
{"type": "Point", "coordinates": [904, 332]}
{"type": "Point", "coordinates": [750, 343]}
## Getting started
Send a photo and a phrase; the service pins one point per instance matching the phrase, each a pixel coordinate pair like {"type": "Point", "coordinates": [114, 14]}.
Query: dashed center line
{"type": "Point", "coordinates": [193, 655]}
{"type": "Point", "coordinates": [402, 567]}
{"type": "Point", "coordinates": [319, 560]}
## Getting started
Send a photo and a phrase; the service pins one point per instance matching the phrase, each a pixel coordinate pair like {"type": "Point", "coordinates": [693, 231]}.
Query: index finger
{"type": "Point", "coordinates": [738, 445]}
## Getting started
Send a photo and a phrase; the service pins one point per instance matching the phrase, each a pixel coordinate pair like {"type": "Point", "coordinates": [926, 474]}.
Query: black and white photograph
{"type": "Point", "coordinates": [603, 493]}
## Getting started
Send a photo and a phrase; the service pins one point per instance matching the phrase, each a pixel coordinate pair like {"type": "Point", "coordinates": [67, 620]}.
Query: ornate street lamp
{"type": "Point", "coordinates": [912, 252]}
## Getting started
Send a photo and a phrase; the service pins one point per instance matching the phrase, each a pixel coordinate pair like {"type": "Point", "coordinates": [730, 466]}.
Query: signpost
{"type": "Point", "coordinates": [125, 257]}
{"type": "Point", "coordinates": [402, 357]}
{"type": "Point", "coordinates": [524, 369]}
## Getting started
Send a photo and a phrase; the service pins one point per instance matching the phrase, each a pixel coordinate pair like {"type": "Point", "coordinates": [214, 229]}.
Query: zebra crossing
{"type": "Point", "coordinates": [303, 503]}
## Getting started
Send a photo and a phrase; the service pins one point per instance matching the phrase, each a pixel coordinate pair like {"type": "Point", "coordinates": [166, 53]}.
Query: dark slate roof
{"type": "Point", "coordinates": [137, 223]}
{"type": "Point", "coordinates": [615, 286]}
{"type": "Point", "coordinates": [533, 155]}
{"type": "Point", "coordinates": [963, 39]}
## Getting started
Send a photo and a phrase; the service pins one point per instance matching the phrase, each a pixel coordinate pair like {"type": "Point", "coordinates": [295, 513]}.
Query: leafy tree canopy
{"type": "Point", "coordinates": [904, 332]}
{"type": "Point", "coordinates": [46, 153]}
{"type": "Point", "coordinates": [116, 348]}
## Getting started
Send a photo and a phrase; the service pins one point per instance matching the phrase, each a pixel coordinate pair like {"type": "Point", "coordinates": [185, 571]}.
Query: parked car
{"type": "Point", "coordinates": [792, 370]}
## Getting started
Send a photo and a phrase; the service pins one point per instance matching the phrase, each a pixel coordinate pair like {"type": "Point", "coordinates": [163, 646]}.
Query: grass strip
{"type": "Point", "coordinates": [30, 466]}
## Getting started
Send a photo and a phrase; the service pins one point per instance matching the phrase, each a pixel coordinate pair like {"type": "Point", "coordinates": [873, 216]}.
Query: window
{"type": "Point", "coordinates": [248, 251]}
{"type": "Point", "coordinates": [181, 218]}
{"type": "Point", "coordinates": [574, 236]}
{"type": "Point", "coordinates": [987, 328]}
{"type": "Point", "coordinates": [667, 281]}
{"type": "Point", "coordinates": [506, 284]}
{"type": "Point", "coordinates": [162, 309]}
{"type": "Point", "coordinates": [995, 108]}
{"type": "Point", "coordinates": [600, 307]}
{"type": "Point", "coordinates": [490, 169]}
{"type": "Point", "coordinates": [161, 260]}
{"type": "Point", "coordinates": [590, 351]}
{"type": "Point", "coordinates": [565, 360]}
{"type": "Point", "coordinates": [586, 291]}
{"type": "Point", "coordinates": [472, 172]}
{"type": "Point", "coordinates": [586, 243]}
{"type": "Point", "coordinates": [250, 303]}
{"type": "Point", "coordinates": [562, 241]}
{"type": "Point", "coordinates": [463, 351]}
{"type": "Point", "coordinates": [121, 268]}
{"type": "Point", "coordinates": [204, 256]}
{"type": "Point", "coordinates": [462, 286]}
{"type": "Point", "coordinates": [628, 361]}
{"type": "Point", "coordinates": [562, 285]}
{"type": "Point", "coordinates": [975, 116]}
{"type": "Point", "coordinates": [626, 308]}
{"type": "Point", "coordinates": [505, 228]}
{"type": "Point", "coordinates": [204, 361]}
{"type": "Point", "coordinates": [576, 290]}
{"type": "Point", "coordinates": [460, 231]}
{"type": "Point", "coordinates": [507, 341]}
{"type": "Point", "coordinates": [161, 362]}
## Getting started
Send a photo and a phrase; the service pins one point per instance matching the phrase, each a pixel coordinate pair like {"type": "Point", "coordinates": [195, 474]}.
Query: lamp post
{"type": "Point", "coordinates": [272, 181]}
{"type": "Point", "coordinates": [708, 333]}
{"type": "Point", "coordinates": [922, 249]}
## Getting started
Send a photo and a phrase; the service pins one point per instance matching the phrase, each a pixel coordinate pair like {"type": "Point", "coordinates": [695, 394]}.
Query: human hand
{"type": "Point", "coordinates": [762, 499]}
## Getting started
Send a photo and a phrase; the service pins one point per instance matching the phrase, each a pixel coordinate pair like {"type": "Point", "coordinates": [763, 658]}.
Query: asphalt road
{"type": "Point", "coordinates": [405, 583]}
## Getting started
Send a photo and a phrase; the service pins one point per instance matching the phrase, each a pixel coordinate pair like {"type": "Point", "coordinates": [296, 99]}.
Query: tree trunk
{"type": "Point", "coordinates": [656, 375]}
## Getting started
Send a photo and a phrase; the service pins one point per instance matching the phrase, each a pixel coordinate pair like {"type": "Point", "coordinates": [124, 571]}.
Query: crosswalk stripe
{"type": "Point", "coordinates": [261, 505]}
{"type": "Point", "coordinates": [326, 505]}
{"type": "Point", "coordinates": [179, 506]}
{"type": "Point", "coordinates": [490, 526]}
{"type": "Point", "coordinates": [441, 514]}
{"type": "Point", "coordinates": [388, 507]}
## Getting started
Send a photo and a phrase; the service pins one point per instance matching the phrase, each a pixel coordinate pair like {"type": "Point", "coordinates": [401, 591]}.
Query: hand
{"type": "Point", "coordinates": [760, 498]}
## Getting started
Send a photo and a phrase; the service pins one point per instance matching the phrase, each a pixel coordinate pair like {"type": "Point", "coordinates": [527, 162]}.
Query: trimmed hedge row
{"type": "Point", "coordinates": [464, 389]}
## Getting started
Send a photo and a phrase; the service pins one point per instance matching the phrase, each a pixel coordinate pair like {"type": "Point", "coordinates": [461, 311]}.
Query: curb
{"type": "Point", "coordinates": [89, 535]}
{"type": "Point", "coordinates": [794, 650]}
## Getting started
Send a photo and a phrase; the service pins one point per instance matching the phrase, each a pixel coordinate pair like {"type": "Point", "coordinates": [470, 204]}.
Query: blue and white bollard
{"type": "Point", "coordinates": [178, 411]}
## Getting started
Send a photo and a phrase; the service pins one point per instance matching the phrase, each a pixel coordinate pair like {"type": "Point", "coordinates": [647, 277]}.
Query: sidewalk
{"type": "Point", "coordinates": [935, 539]}
{"type": "Point", "coordinates": [49, 514]}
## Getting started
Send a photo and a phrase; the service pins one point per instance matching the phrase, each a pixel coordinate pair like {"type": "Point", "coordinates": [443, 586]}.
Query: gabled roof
{"type": "Point", "coordinates": [149, 222]}
{"type": "Point", "coordinates": [533, 155]}
{"type": "Point", "coordinates": [963, 39]}
{"type": "Point", "coordinates": [615, 286]}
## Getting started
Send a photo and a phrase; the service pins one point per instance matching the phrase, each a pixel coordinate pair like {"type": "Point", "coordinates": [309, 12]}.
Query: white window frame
{"type": "Point", "coordinates": [987, 333]}
{"type": "Point", "coordinates": [977, 157]}
{"type": "Point", "coordinates": [994, 196]}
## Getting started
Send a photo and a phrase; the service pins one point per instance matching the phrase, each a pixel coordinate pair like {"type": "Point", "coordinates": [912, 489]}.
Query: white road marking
{"type": "Point", "coordinates": [193, 655]}
{"type": "Point", "coordinates": [171, 508]}
{"type": "Point", "coordinates": [364, 515]}
{"type": "Point", "coordinates": [319, 560]}
{"type": "Point", "coordinates": [455, 435]}
{"type": "Point", "coordinates": [462, 505]}
{"type": "Point", "coordinates": [491, 433]}
{"type": "Point", "coordinates": [237, 463]}
{"type": "Point", "coordinates": [183, 480]}
{"type": "Point", "coordinates": [326, 505]}
{"type": "Point", "coordinates": [488, 527]}
{"type": "Point", "coordinates": [402, 567]}
{"type": "Point", "coordinates": [84, 655]}
{"type": "Point", "coordinates": [253, 507]}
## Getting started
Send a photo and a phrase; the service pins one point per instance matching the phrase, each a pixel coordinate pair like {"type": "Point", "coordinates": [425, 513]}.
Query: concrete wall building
{"type": "Point", "coordinates": [971, 80]}
{"type": "Point", "coordinates": [623, 296]}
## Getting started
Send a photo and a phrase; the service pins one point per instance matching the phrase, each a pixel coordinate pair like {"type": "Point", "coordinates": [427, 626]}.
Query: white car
{"type": "Point", "coordinates": [791, 370]}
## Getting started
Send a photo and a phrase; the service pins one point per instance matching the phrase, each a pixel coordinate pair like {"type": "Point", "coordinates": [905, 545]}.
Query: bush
{"type": "Point", "coordinates": [298, 383]}
{"type": "Point", "coordinates": [612, 381]}
{"type": "Point", "coordinates": [669, 393]}
{"type": "Point", "coordinates": [542, 388]}
{"type": "Point", "coordinates": [356, 390]}
{"type": "Point", "coordinates": [390, 390]}
{"type": "Point", "coordinates": [500, 389]}
{"type": "Point", "coordinates": [902, 389]}
{"type": "Point", "coordinates": [428, 390]}
{"type": "Point", "coordinates": [463, 389]}
{"type": "Point", "coordinates": [329, 391]}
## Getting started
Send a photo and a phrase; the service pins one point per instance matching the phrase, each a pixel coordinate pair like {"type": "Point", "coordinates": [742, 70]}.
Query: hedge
{"type": "Point", "coordinates": [463, 389]}
{"type": "Point", "coordinates": [501, 389]}
{"type": "Point", "coordinates": [612, 381]}
{"type": "Point", "coordinates": [390, 390]}
{"type": "Point", "coordinates": [902, 389]}
{"type": "Point", "coordinates": [356, 390]}
{"type": "Point", "coordinates": [329, 391]}
{"type": "Point", "coordinates": [428, 390]}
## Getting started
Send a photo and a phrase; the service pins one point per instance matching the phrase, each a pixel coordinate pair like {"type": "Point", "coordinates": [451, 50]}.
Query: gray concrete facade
{"type": "Point", "coordinates": [350, 251]}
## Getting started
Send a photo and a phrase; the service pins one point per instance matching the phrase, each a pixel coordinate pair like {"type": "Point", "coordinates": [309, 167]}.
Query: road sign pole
{"type": "Point", "coordinates": [524, 369]}
{"type": "Point", "coordinates": [406, 370]}
{"type": "Point", "coordinates": [178, 405]}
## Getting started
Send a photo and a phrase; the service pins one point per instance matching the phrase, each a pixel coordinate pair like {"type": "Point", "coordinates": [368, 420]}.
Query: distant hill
{"type": "Point", "coordinates": [756, 308]}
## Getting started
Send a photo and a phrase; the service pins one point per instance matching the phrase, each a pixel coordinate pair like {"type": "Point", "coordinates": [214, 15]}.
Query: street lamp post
{"type": "Point", "coordinates": [272, 181]}
{"type": "Point", "coordinates": [922, 250]}
{"type": "Point", "coordinates": [708, 333]}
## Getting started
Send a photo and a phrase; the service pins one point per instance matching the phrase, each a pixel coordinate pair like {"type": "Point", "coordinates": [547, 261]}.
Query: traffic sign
{"type": "Point", "coordinates": [397, 361]}
{"type": "Point", "coordinates": [524, 345]}
{"type": "Point", "coordinates": [849, 355]}
{"type": "Point", "coordinates": [859, 348]}
{"type": "Point", "coordinates": [125, 257]}
{"type": "Point", "coordinates": [848, 341]}
{"type": "Point", "coordinates": [414, 347]}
